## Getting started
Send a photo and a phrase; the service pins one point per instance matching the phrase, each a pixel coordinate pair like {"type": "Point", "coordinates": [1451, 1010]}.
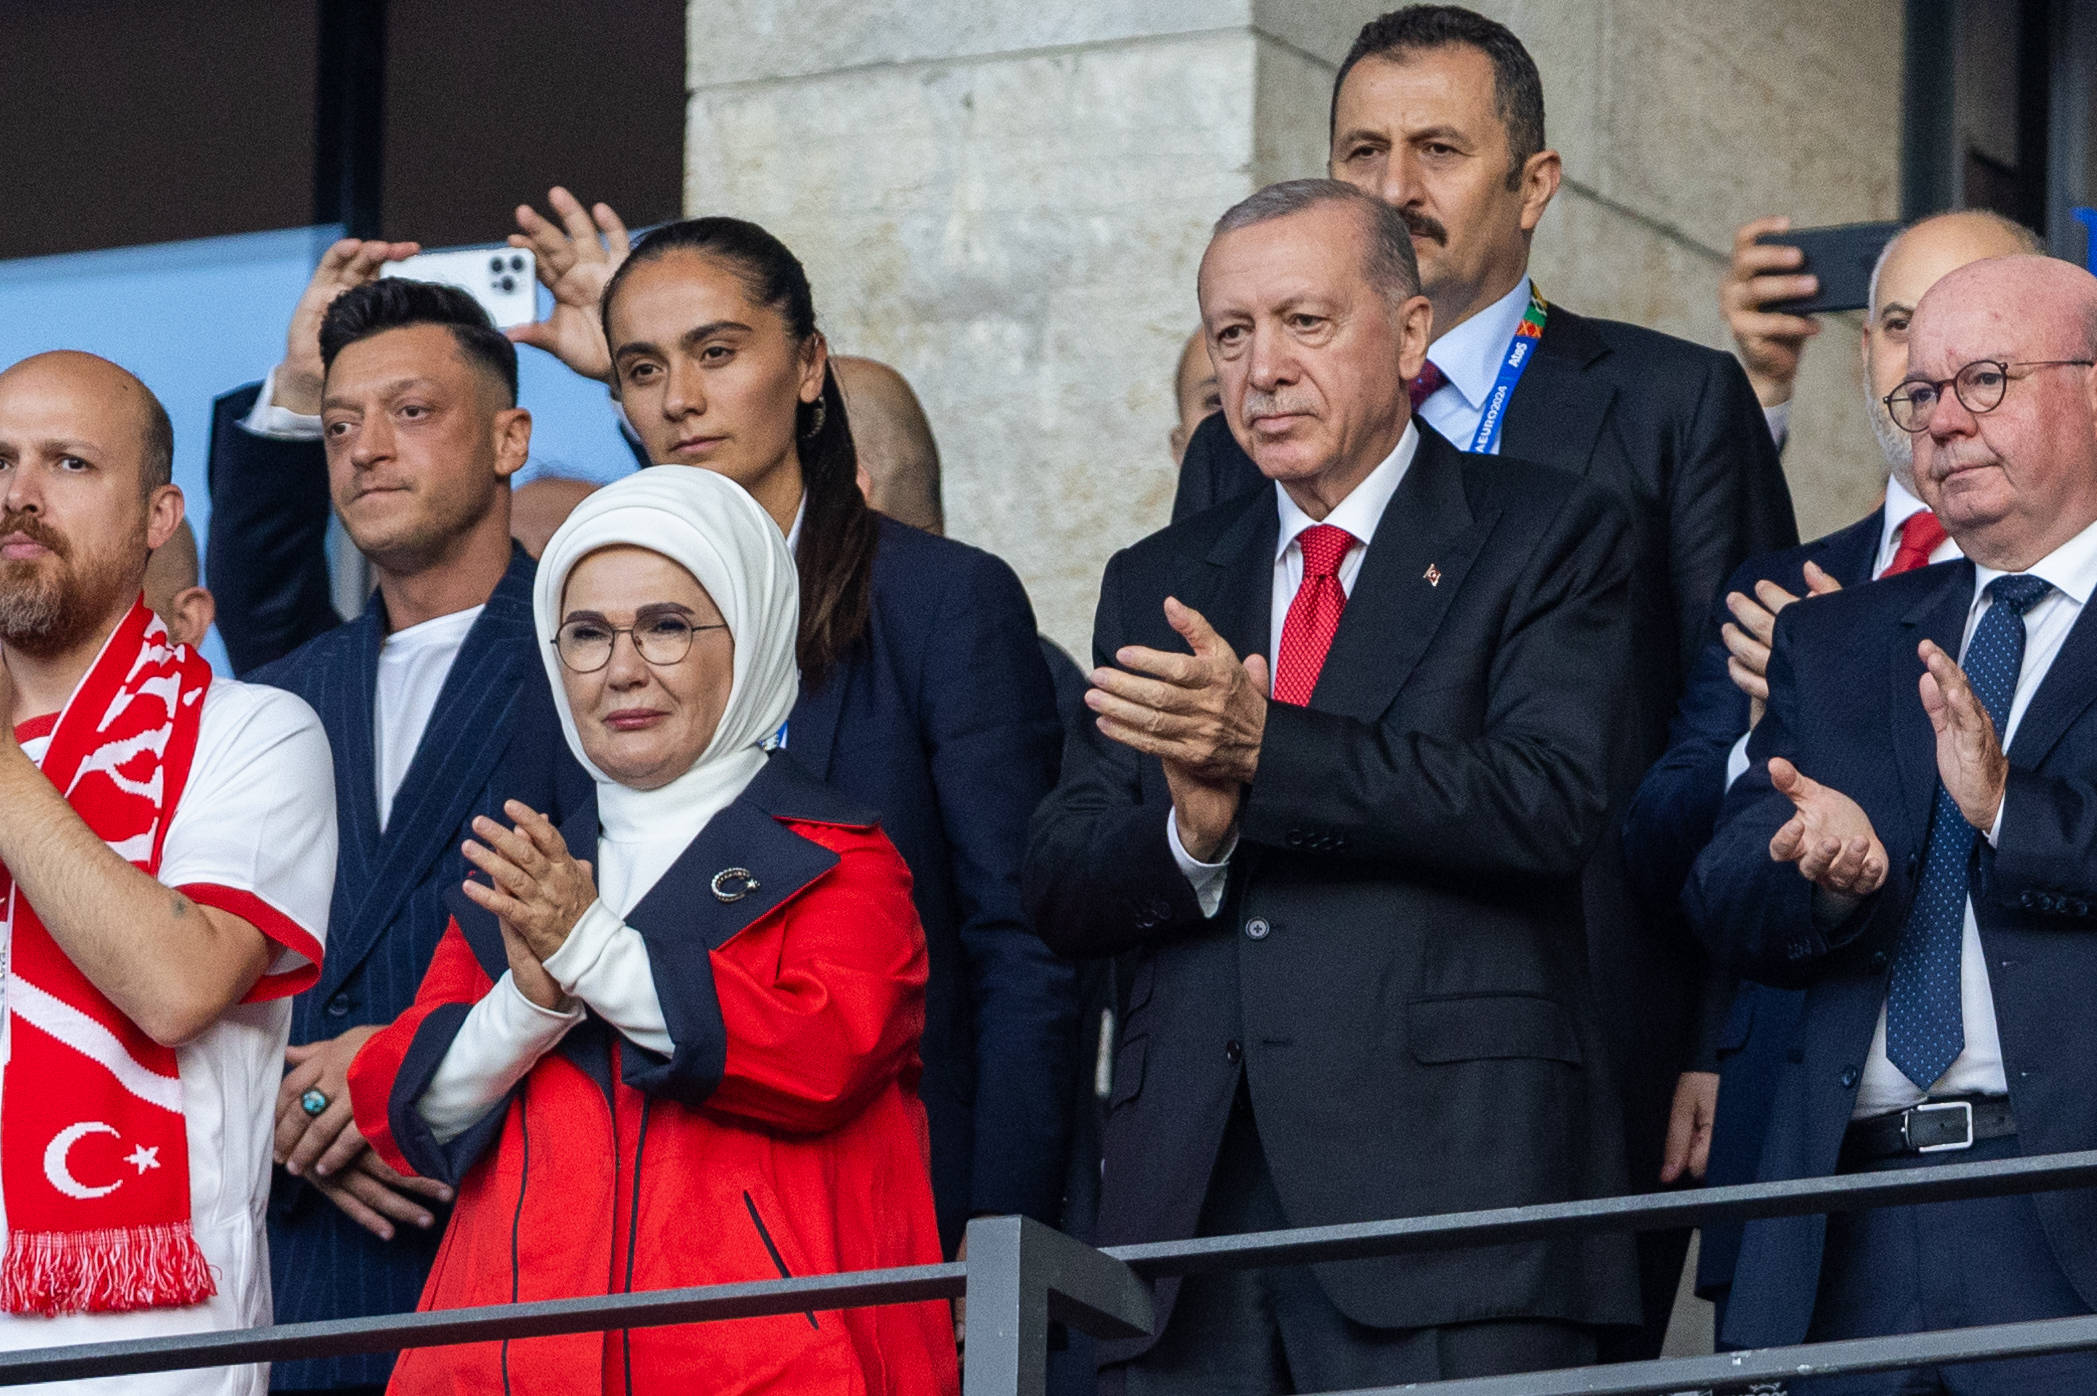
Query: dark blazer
{"type": "Point", "coordinates": [944, 721]}
{"type": "Point", "coordinates": [493, 736]}
{"type": "Point", "coordinates": [1396, 972]}
{"type": "Point", "coordinates": [1673, 431]}
{"type": "Point", "coordinates": [1843, 707]}
{"type": "Point", "coordinates": [1668, 822]}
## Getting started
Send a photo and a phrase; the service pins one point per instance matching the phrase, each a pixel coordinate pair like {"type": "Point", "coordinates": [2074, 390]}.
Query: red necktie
{"type": "Point", "coordinates": [1422, 388]}
{"type": "Point", "coordinates": [1919, 536]}
{"type": "Point", "coordinates": [1313, 616]}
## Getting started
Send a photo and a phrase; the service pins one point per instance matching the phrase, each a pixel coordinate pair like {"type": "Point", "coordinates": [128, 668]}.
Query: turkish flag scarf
{"type": "Point", "coordinates": [94, 1157]}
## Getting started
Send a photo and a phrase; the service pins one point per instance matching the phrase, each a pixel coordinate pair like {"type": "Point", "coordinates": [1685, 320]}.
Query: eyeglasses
{"type": "Point", "coordinates": [585, 644]}
{"type": "Point", "coordinates": [1980, 386]}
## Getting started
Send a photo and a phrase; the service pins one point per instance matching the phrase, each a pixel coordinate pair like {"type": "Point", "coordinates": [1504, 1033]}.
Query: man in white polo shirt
{"type": "Point", "coordinates": [167, 852]}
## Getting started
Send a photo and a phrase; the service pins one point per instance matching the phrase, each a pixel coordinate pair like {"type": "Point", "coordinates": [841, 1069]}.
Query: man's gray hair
{"type": "Point", "coordinates": [2021, 237]}
{"type": "Point", "coordinates": [1389, 262]}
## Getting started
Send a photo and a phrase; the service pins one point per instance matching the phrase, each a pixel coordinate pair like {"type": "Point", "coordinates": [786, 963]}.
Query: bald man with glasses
{"type": "Point", "coordinates": [1910, 846]}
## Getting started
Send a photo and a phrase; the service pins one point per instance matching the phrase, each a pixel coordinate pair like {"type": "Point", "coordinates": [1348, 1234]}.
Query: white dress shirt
{"type": "Point", "coordinates": [2072, 569]}
{"type": "Point", "coordinates": [279, 423]}
{"type": "Point", "coordinates": [1470, 356]}
{"type": "Point", "coordinates": [1358, 514]}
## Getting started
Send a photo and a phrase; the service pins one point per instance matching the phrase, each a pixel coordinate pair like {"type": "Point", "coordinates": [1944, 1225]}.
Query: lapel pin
{"type": "Point", "coordinates": [733, 884]}
{"type": "Point", "coordinates": [1433, 574]}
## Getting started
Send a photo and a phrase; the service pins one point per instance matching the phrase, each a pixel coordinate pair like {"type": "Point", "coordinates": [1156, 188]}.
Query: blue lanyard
{"type": "Point", "coordinates": [1520, 350]}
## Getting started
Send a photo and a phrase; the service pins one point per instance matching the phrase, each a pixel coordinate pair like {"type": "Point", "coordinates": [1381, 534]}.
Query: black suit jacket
{"type": "Point", "coordinates": [1843, 707]}
{"type": "Point", "coordinates": [1673, 431]}
{"type": "Point", "coordinates": [1397, 970]}
{"type": "Point", "coordinates": [1666, 826]}
{"type": "Point", "coordinates": [943, 720]}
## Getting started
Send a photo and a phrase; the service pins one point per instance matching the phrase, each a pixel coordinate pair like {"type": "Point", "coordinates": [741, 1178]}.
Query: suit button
{"type": "Point", "coordinates": [1294, 838]}
{"type": "Point", "coordinates": [1848, 1077]}
{"type": "Point", "coordinates": [1257, 928]}
{"type": "Point", "coordinates": [1233, 1051]}
{"type": "Point", "coordinates": [1160, 908]}
{"type": "Point", "coordinates": [2082, 907]}
{"type": "Point", "coordinates": [1878, 959]}
{"type": "Point", "coordinates": [1914, 862]}
{"type": "Point", "coordinates": [2024, 899]}
{"type": "Point", "coordinates": [338, 1007]}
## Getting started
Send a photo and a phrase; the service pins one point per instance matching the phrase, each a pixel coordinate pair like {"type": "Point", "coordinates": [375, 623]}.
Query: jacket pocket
{"type": "Point", "coordinates": [1486, 1027]}
{"type": "Point", "coordinates": [764, 1234]}
{"type": "Point", "coordinates": [1740, 1021]}
{"type": "Point", "coordinates": [1128, 1072]}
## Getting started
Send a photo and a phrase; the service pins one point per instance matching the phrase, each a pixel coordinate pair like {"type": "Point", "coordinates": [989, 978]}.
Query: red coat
{"type": "Point", "coordinates": [783, 1136]}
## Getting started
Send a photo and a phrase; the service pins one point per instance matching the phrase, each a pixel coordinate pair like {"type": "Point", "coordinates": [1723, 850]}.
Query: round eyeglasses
{"type": "Point", "coordinates": [1980, 386]}
{"type": "Point", "coordinates": [585, 643]}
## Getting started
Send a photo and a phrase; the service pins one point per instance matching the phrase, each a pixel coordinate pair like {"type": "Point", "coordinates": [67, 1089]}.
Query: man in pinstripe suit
{"type": "Point", "coordinates": [432, 700]}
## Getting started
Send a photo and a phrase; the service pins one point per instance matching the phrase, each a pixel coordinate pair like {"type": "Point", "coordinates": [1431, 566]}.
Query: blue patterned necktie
{"type": "Point", "coordinates": [1925, 1024]}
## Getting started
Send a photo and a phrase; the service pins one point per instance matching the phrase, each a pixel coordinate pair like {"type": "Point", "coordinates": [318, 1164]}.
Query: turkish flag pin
{"type": "Point", "coordinates": [1433, 574]}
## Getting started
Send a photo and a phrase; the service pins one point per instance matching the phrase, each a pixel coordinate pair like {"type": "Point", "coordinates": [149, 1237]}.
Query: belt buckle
{"type": "Point", "coordinates": [1965, 1106]}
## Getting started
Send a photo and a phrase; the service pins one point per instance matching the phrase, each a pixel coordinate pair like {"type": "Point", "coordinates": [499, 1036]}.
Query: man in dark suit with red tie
{"type": "Point", "coordinates": [1439, 111]}
{"type": "Point", "coordinates": [1359, 986]}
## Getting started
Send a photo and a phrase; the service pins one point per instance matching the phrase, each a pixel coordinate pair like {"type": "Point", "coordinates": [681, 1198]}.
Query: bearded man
{"type": "Point", "coordinates": [167, 851]}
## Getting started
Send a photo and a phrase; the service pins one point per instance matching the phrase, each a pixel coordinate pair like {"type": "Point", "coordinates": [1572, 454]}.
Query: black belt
{"type": "Point", "coordinates": [1934, 1126]}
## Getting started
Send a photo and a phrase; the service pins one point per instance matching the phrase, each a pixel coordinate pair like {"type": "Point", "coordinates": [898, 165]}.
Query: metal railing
{"type": "Point", "coordinates": [1020, 1276]}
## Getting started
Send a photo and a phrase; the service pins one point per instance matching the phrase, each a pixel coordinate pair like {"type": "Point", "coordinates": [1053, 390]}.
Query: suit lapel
{"type": "Point", "coordinates": [1233, 588]}
{"type": "Point", "coordinates": [1425, 544]}
{"type": "Point", "coordinates": [351, 733]}
{"type": "Point", "coordinates": [811, 728]}
{"type": "Point", "coordinates": [693, 900]}
{"type": "Point", "coordinates": [1941, 616]}
{"type": "Point", "coordinates": [1557, 411]}
{"type": "Point", "coordinates": [2069, 688]}
{"type": "Point", "coordinates": [468, 730]}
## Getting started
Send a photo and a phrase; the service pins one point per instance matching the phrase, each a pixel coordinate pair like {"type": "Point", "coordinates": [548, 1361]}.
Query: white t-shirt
{"type": "Point", "coordinates": [254, 834]}
{"type": "Point", "coordinates": [413, 664]}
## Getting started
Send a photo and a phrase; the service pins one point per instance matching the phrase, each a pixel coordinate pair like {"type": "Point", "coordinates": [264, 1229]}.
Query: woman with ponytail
{"type": "Point", "coordinates": [923, 692]}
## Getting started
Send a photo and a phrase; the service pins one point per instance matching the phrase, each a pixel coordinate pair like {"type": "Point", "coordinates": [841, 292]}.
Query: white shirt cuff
{"type": "Point", "coordinates": [1737, 760]}
{"type": "Point", "coordinates": [1995, 829]}
{"type": "Point", "coordinates": [279, 423]}
{"type": "Point", "coordinates": [1207, 879]}
{"type": "Point", "coordinates": [604, 962]}
{"type": "Point", "coordinates": [503, 1037]}
{"type": "Point", "coordinates": [1779, 419]}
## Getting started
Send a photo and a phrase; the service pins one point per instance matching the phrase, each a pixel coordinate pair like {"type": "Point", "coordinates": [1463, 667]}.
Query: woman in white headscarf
{"type": "Point", "coordinates": [675, 1042]}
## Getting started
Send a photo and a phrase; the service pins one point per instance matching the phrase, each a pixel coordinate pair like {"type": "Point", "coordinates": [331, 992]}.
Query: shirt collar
{"type": "Point", "coordinates": [2072, 568]}
{"type": "Point", "coordinates": [1470, 355]}
{"type": "Point", "coordinates": [1359, 512]}
{"type": "Point", "coordinates": [1901, 505]}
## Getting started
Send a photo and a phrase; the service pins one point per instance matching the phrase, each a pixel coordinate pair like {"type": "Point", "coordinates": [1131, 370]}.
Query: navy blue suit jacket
{"type": "Point", "coordinates": [1668, 822]}
{"type": "Point", "coordinates": [944, 720]}
{"type": "Point", "coordinates": [1843, 707]}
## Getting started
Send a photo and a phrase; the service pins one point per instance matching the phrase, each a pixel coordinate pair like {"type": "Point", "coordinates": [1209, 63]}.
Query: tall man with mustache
{"type": "Point", "coordinates": [1440, 112]}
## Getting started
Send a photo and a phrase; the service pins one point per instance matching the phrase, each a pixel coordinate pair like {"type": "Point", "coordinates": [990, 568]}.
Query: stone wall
{"type": "Point", "coordinates": [1007, 201]}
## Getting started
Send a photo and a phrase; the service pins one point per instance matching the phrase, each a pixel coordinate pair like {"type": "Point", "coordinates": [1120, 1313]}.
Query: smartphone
{"type": "Point", "coordinates": [1842, 257]}
{"type": "Point", "coordinates": [503, 279]}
